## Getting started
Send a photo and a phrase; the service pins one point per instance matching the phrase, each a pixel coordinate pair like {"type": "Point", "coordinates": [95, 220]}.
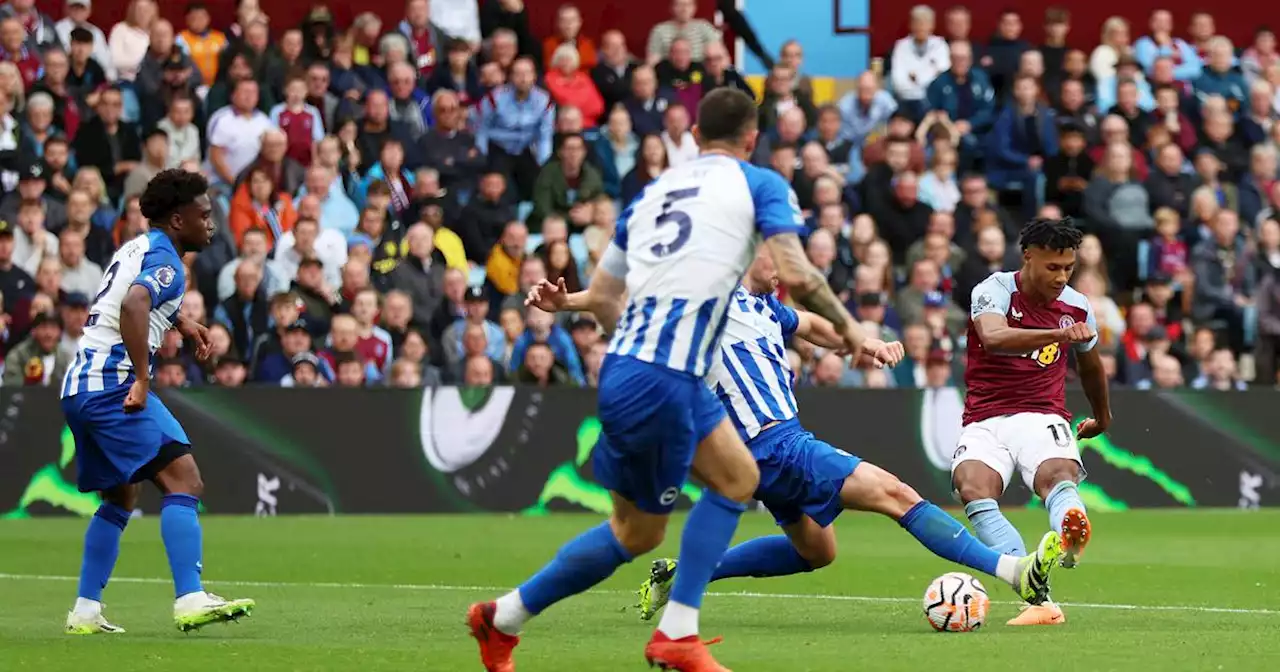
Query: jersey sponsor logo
{"type": "Point", "coordinates": [983, 303]}
{"type": "Point", "coordinates": [1065, 321]}
{"type": "Point", "coordinates": [165, 275]}
{"type": "Point", "coordinates": [1015, 314]}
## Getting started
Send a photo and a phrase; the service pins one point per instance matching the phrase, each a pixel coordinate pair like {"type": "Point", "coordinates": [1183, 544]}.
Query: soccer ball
{"type": "Point", "coordinates": [956, 602]}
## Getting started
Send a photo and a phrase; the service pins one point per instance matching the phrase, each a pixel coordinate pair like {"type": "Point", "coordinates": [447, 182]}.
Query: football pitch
{"type": "Point", "coordinates": [1158, 590]}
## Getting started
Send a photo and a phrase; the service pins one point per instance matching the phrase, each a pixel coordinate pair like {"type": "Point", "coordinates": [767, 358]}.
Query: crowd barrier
{"type": "Point", "coordinates": [274, 451]}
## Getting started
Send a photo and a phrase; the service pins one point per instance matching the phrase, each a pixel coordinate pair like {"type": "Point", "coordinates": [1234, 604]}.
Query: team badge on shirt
{"type": "Point", "coordinates": [1066, 321]}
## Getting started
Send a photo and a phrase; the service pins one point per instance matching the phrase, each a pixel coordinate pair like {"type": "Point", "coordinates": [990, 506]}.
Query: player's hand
{"type": "Point", "coordinates": [548, 296]}
{"type": "Point", "coordinates": [136, 400]}
{"type": "Point", "coordinates": [1078, 333]}
{"type": "Point", "coordinates": [1090, 427]}
{"type": "Point", "coordinates": [198, 334]}
{"type": "Point", "coordinates": [889, 354]}
{"type": "Point", "coordinates": [853, 339]}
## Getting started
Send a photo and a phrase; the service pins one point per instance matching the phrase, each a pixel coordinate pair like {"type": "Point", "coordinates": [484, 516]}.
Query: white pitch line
{"type": "Point", "coordinates": [747, 594]}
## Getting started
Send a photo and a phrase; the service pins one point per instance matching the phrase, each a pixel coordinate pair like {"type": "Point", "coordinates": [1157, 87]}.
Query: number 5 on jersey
{"type": "Point", "coordinates": [684, 225]}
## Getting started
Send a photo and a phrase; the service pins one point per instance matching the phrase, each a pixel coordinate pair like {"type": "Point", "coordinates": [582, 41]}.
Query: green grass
{"type": "Point", "coordinates": [311, 617]}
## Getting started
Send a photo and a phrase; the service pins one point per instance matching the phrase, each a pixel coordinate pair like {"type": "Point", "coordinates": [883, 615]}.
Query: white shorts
{"type": "Point", "coordinates": [1022, 441]}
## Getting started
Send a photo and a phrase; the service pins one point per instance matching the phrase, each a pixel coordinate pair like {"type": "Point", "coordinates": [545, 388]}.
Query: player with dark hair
{"type": "Point", "coordinates": [679, 249]}
{"type": "Point", "coordinates": [1015, 409]}
{"type": "Point", "coordinates": [123, 433]}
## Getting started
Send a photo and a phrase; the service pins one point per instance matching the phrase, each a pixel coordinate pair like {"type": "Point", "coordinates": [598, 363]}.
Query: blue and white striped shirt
{"type": "Point", "coordinates": [101, 362]}
{"type": "Point", "coordinates": [752, 375]}
{"type": "Point", "coordinates": [516, 125]}
{"type": "Point", "coordinates": [687, 240]}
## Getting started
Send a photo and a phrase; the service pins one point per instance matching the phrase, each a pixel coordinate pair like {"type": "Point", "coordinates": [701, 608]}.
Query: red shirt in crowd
{"type": "Point", "coordinates": [372, 350]}
{"type": "Point", "coordinates": [425, 48]}
{"type": "Point", "coordinates": [29, 65]}
{"type": "Point", "coordinates": [300, 129]}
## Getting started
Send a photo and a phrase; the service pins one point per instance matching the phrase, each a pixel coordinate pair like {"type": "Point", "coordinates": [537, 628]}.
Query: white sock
{"type": "Point", "coordinates": [678, 621]}
{"type": "Point", "coordinates": [511, 614]}
{"type": "Point", "coordinates": [1007, 569]}
{"type": "Point", "coordinates": [87, 607]}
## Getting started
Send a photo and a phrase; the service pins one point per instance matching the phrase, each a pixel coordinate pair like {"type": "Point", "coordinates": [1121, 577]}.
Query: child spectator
{"type": "Point", "coordinates": [300, 121]}
{"type": "Point", "coordinates": [1170, 255]}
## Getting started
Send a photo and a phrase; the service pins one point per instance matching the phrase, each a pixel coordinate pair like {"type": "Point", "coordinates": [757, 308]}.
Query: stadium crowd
{"type": "Point", "coordinates": [386, 192]}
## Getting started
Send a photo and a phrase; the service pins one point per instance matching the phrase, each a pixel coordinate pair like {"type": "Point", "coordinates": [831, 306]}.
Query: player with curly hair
{"type": "Point", "coordinates": [124, 434]}
{"type": "Point", "coordinates": [1015, 410]}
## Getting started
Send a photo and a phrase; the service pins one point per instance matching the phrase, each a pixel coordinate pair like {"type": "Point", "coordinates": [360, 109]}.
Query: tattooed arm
{"type": "Point", "coordinates": [810, 289]}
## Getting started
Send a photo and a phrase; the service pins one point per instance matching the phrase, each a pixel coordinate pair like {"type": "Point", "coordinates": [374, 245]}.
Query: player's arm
{"type": "Point", "coordinates": [135, 322]}
{"type": "Point", "coordinates": [819, 332]}
{"type": "Point", "coordinates": [810, 289]}
{"type": "Point", "coordinates": [989, 305]}
{"type": "Point", "coordinates": [602, 298]}
{"type": "Point", "coordinates": [1093, 378]}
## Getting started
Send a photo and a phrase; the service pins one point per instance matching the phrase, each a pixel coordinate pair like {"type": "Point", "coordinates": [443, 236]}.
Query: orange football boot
{"type": "Point", "coordinates": [495, 646]}
{"type": "Point", "coordinates": [687, 654]}
{"type": "Point", "coordinates": [1040, 614]}
{"type": "Point", "coordinates": [1076, 532]}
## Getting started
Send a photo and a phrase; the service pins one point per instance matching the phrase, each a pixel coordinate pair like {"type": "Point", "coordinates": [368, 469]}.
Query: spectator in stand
{"type": "Point", "coordinates": [460, 75]}
{"type": "Point", "coordinates": [840, 152]}
{"type": "Point", "coordinates": [37, 360]}
{"type": "Point", "coordinates": [1004, 53]}
{"type": "Point", "coordinates": [1129, 95]}
{"type": "Point", "coordinates": [780, 96]}
{"type": "Point", "coordinates": [407, 103]}
{"type": "Point", "coordinates": [341, 357]}
{"type": "Point", "coordinates": [1222, 375]}
{"type": "Point", "coordinates": [16, 50]}
{"type": "Point", "coordinates": [677, 136]}
{"type": "Point", "coordinates": [1267, 299]}
{"type": "Point", "coordinates": [790, 133]}
{"type": "Point", "coordinates": [683, 25]}
{"type": "Point", "coordinates": [184, 135]}
{"type": "Point", "coordinates": [236, 134]}
{"type": "Point", "coordinates": [161, 52]}
{"type": "Point", "coordinates": [259, 204]}
{"type": "Point", "coordinates": [452, 308]}
{"type": "Point", "coordinates": [301, 122]}
{"type": "Point", "coordinates": [865, 109]}
{"type": "Point", "coordinates": [541, 329]}
{"type": "Point", "coordinates": [1221, 78]}
{"type": "Point", "coordinates": [646, 104]}
{"type": "Point", "coordinates": [421, 273]}
{"type": "Point", "coordinates": [1067, 174]}
{"type": "Point", "coordinates": [275, 351]}
{"type": "Point", "coordinates": [309, 240]}
{"type": "Point", "coordinates": [1161, 43]}
{"type": "Point", "coordinates": [426, 39]}
{"type": "Point", "coordinates": [373, 343]}
{"type": "Point", "coordinates": [485, 216]}
{"type": "Point", "coordinates": [719, 72]}
{"type": "Point", "coordinates": [1057, 25]}
{"type": "Point", "coordinates": [15, 284]}
{"type": "Point", "coordinates": [1255, 188]}
{"type": "Point", "coordinates": [33, 243]}
{"type": "Point", "coordinates": [993, 255]}
{"type": "Point", "coordinates": [1225, 278]}
{"type": "Point", "coordinates": [615, 151]}
{"type": "Point", "coordinates": [129, 39]}
{"type": "Point", "coordinates": [1259, 58]}
{"type": "Point", "coordinates": [376, 127]}
{"type": "Point", "coordinates": [1114, 129]}
{"type": "Point", "coordinates": [569, 33]}
{"type": "Point", "coordinates": [917, 60]}
{"type": "Point", "coordinates": [477, 313]}
{"type": "Point", "coordinates": [1114, 45]}
{"type": "Point", "coordinates": [1211, 192]}
{"type": "Point", "coordinates": [1257, 122]}
{"type": "Point", "coordinates": [391, 171]}
{"type": "Point", "coordinates": [1169, 256]}
{"type": "Point", "coordinates": [1024, 136]}
{"type": "Point", "coordinates": [108, 143]}
{"type": "Point", "coordinates": [201, 42]}
{"type": "Point", "coordinates": [515, 127]}
{"type": "Point", "coordinates": [79, 275]}
{"type": "Point", "coordinates": [479, 372]}
{"type": "Point", "coordinates": [503, 50]}
{"type": "Point", "coordinates": [965, 96]}
{"type": "Point", "coordinates": [98, 246]}
{"type": "Point", "coordinates": [32, 189]}
{"type": "Point", "coordinates": [1219, 137]}
{"type": "Point", "coordinates": [566, 186]}
{"type": "Point", "coordinates": [1168, 113]}
{"type": "Point", "coordinates": [396, 317]}
{"type": "Point", "coordinates": [449, 147]}
{"type": "Point", "coordinates": [902, 219]}
{"type": "Point", "coordinates": [1118, 207]}
{"type": "Point", "coordinates": [245, 313]}
{"type": "Point", "coordinates": [612, 75]}
{"type": "Point", "coordinates": [681, 75]}
{"type": "Point", "coordinates": [570, 85]}
{"type": "Point", "coordinates": [77, 16]}
{"type": "Point", "coordinates": [155, 158]}
{"type": "Point", "coordinates": [289, 175]}
{"type": "Point", "coordinates": [503, 266]}
{"type": "Point", "coordinates": [337, 211]}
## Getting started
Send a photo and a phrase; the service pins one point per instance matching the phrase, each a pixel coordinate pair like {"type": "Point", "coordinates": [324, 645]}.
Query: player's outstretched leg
{"type": "Point", "coordinates": [180, 530]}
{"type": "Point", "coordinates": [871, 488]}
{"type": "Point", "coordinates": [979, 486]}
{"type": "Point", "coordinates": [101, 548]}
{"type": "Point", "coordinates": [1055, 482]}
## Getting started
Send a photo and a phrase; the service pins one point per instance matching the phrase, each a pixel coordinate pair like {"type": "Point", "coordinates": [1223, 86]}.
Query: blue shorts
{"type": "Point", "coordinates": [653, 418]}
{"type": "Point", "coordinates": [111, 445]}
{"type": "Point", "coordinates": [800, 475]}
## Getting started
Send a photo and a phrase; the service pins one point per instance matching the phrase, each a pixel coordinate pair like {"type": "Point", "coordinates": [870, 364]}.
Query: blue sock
{"type": "Point", "coordinates": [1062, 497]}
{"type": "Point", "coordinates": [707, 534]}
{"type": "Point", "coordinates": [101, 548]}
{"type": "Point", "coordinates": [582, 563]}
{"type": "Point", "coordinates": [947, 538]}
{"type": "Point", "coordinates": [993, 528]}
{"type": "Point", "coordinates": [766, 556]}
{"type": "Point", "coordinates": [180, 530]}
